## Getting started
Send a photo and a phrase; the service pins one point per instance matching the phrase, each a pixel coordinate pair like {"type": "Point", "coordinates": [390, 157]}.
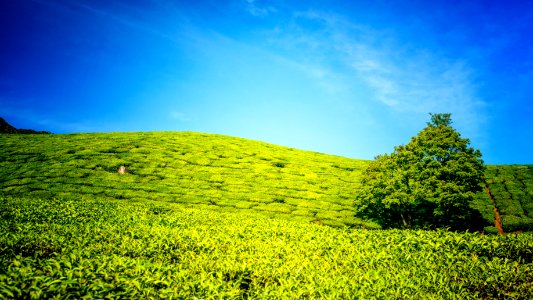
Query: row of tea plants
{"type": "Point", "coordinates": [63, 248]}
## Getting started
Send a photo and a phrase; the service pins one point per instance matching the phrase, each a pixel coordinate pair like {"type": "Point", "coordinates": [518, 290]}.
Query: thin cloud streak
{"type": "Point", "coordinates": [180, 116]}
{"type": "Point", "coordinates": [401, 79]}
{"type": "Point", "coordinates": [257, 10]}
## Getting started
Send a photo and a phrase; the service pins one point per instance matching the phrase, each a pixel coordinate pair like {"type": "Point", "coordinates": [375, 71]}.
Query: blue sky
{"type": "Point", "coordinates": [350, 78]}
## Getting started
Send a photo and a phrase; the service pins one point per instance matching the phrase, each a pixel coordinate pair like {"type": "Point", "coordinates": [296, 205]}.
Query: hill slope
{"type": "Point", "coordinates": [221, 173]}
{"type": "Point", "coordinates": [511, 190]}
{"type": "Point", "coordinates": [193, 169]}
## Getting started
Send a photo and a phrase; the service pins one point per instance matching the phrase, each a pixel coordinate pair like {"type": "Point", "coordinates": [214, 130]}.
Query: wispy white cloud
{"type": "Point", "coordinates": [180, 116]}
{"type": "Point", "coordinates": [402, 78]}
{"type": "Point", "coordinates": [258, 9]}
{"type": "Point", "coordinates": [154, 19]}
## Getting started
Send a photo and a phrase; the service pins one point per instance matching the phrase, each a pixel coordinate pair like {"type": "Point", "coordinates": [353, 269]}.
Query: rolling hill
{"type": "Point", "coordinates": [209, 216]}
{"type": "Point", "coordinates": [221, 173]}
{"type": "Point", "coordinates": [192, 169]}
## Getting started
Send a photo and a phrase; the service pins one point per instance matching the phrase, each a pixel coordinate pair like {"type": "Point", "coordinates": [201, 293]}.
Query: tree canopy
{"type": "Point", "coordinates": [427, 183]}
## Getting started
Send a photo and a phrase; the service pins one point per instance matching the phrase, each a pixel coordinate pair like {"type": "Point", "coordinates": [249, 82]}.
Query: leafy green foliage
{"type": "Point", "coordinates": [59, 248]}
{"type": "Point", "coordinates": [429, 182]}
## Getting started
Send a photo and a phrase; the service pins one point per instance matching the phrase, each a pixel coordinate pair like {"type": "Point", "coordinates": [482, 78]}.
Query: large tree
{"type": "Point", "coordinates": [427, 183]}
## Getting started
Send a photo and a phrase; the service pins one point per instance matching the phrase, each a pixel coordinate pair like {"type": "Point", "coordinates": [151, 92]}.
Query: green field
{"type": "Point", "coordinates": [212, 216]}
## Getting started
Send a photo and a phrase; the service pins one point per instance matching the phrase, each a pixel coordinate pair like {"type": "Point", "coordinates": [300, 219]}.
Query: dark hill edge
{"type": "Point", "coordinates": [5, 127]}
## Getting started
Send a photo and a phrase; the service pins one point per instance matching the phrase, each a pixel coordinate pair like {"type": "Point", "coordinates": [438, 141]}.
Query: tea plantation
{"type": "Point", "coordinates": [209, 217]}
{"type": "Point", "coordinates": [191, 169]}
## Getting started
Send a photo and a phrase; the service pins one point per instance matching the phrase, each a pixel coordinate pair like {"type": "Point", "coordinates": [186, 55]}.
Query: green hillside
{"type": "Point", "coordinates": [201, 216]}
{"type": "Point", "coordinates": [221, 173]}
{"type": "Point", "coordinates": [192, 169]}
{"type": "Point", "coordinates": [511, 188]}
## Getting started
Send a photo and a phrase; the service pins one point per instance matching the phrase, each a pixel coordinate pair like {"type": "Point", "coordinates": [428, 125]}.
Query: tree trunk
{"type": "Point", "coordinates": [406, 224]}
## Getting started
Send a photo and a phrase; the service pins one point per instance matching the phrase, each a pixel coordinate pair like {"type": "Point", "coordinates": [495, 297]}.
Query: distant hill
{"type": "Point", "coordinates": [223, 173]}
{"type": "Point", "coordinates": [5, 127]}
